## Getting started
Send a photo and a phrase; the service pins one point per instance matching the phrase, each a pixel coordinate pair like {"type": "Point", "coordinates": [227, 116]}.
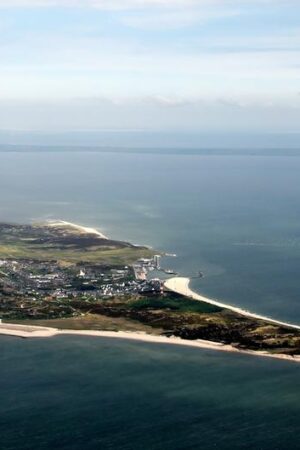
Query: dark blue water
{"type": "Point", "coordinates": [235, 218]}
{"type": "Point", "coordinates": [91, 393]}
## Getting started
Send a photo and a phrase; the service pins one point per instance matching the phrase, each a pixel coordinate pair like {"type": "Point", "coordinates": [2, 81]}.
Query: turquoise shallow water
{"type": "Point", "coordinates": [74, 393]}
{"type": "Point", "coordinates": [236, 219]}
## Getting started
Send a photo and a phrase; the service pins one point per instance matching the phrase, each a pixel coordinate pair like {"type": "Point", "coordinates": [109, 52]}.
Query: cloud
{"type": "Point", "coordinates": [285, 40]}
{"type": "Point", "coordinates": [103, 4]}
{"type": "Point", "coordinates": [177, 18]}
{"type": "Point", "coordinates": [147, 114]}
{"type": "Point", "coordinates": [173, 101]}
{"type": "Point", "coordinates": [176, 78]}
{"type": "Point", "coordinates": [128, 4]}
{"type": "Point", "coordinates": [66, 66]}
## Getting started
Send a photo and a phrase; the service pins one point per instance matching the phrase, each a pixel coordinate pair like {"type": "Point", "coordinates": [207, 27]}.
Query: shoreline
{"type": "Point", "coordinates": [88, 230]}
{"type": "Point", "coordinates": [31, 332]}
{"type": "Point", "coordinates": [180, 285]}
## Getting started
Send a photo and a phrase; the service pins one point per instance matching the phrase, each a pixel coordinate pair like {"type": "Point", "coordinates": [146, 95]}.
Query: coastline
{"type": "Point", "coordinates": [29, 332]}
{"type": "Point", "coordinates": [180, 285]}
{"type": "Point", "coordinates": [88, 230]}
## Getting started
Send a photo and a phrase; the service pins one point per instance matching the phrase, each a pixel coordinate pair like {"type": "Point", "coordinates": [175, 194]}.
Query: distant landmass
{"type": "Point", "coordinates": [262, 151]}
{"type": "Point", "coordinates": [152, 139]}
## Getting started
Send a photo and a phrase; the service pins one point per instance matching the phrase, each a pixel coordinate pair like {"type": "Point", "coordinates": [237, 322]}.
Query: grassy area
{"type": "Point", "coordinates": [174, 303]}
{"type": "Point", "coordinates": [178, 316]}
{"type": "Point", "coordinates": [103, 255]}
{"type": "Point", "coordinates": [92, 322]}
{"type": "Point", "coordinates": [65, 244]}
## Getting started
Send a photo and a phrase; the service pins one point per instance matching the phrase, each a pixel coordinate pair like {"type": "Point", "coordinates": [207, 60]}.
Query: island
{"type": "Point", "coordinates": [61, 278]}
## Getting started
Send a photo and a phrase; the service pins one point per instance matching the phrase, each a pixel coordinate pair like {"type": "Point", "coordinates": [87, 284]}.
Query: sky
{"type": "Point", "coordinates": [154, 65]}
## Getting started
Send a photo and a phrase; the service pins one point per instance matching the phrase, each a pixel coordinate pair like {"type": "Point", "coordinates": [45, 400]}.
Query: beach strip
{"type": "Point", "coordinates": [180, 285]}
{"type": "Point", "coordinates": [87, 230]}
{"type": "Point", "coordinates": [28, 331]}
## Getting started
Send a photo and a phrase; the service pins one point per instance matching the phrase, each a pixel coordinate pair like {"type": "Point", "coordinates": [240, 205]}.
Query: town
{"type": "Point", "coordinates": [29, 286]}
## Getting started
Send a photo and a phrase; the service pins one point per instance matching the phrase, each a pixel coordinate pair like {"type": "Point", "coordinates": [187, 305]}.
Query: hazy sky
{"type": "Point", "coordinates": [150, 64]}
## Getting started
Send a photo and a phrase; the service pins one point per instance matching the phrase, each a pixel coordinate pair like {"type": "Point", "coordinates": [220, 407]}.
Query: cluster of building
{"type": "Point", "coordinates": [49, 280]}
{"type": "Point", "coordinates": [145, 265]}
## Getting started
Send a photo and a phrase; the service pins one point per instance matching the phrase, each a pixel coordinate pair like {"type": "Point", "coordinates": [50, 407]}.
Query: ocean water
{"type": "Point", "coordinates": [77, 392]}
{"type": "Point", "coordinates": [235, 218]}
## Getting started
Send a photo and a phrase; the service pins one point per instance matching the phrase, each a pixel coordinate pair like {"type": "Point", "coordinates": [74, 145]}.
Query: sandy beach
{"type": "Point", "coordinates": [28, 331]}
{"type": "Point", "coordinates": [88, 230]}
{"type": "Point", "coordinates": [180, 285]}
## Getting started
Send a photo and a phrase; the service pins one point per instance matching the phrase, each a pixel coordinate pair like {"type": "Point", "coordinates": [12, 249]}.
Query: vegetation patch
{"type": "Point", "coordinates": [173, 303]}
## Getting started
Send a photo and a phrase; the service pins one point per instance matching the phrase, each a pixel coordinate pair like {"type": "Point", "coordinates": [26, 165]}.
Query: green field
{"type": "Point", "coordinates": [64, 244]}
{"type": "Point", "coordinates": [174, 303]}
{"type": "Point", "coordinates": [101, 255]}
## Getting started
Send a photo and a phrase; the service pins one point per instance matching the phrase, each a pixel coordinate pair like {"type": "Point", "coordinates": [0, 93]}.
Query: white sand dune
{"type": "Point", "coordinates": [180, 285]}
{"type": "Point", "coordinates": [86, 230]}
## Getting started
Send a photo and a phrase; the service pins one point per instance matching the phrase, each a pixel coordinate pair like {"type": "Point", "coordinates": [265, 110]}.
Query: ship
{"type": "Point", "coordinates": [170, 272]}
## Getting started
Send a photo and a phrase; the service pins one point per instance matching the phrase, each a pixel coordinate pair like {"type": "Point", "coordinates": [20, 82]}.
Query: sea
{"type": "Point", "coordinates": [233, 216]}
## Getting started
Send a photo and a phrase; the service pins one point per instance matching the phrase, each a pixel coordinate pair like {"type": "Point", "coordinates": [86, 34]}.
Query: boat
{"type": "Point", "coordinates": [170, 272]}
